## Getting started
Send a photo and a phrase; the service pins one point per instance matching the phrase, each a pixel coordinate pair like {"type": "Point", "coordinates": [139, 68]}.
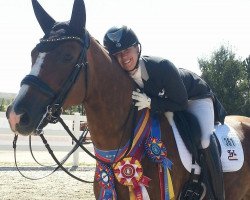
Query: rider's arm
{"type": "Point", "coordinates": [175, 97]}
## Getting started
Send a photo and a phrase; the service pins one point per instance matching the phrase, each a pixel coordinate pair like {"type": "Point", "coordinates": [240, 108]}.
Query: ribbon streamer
{"type": "Point", "coordinates": [105, 178]}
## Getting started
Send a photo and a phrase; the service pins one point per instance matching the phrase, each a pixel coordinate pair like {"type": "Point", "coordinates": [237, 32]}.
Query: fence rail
{"type": "Point", "coordinates": [55, 134]}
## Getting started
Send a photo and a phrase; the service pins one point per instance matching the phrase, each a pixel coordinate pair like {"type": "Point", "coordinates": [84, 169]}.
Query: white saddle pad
{"type": "Point", "coordinates": [232, 157]}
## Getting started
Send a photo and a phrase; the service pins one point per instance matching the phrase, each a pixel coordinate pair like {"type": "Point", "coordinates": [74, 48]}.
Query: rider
{"type": "Point", "coordinates": [167, 88]}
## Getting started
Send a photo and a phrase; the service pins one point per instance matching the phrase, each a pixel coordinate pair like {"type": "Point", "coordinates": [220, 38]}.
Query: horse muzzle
{"type": "Point", "coordinates": [20, 122]}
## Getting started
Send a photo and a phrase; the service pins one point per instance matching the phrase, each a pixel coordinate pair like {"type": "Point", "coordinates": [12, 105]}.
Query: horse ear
{"type": "Point", "coordinates": [46, 22]}
{"type": "Point", "coordinates": [78, 17]}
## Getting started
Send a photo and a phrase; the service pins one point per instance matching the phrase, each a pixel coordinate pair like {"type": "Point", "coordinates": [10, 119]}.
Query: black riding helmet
{"type": "Point", "coordinates": [117, 39]}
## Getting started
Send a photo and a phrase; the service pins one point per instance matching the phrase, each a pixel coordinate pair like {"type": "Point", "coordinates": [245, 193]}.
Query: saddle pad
{"type": "Point", "coordinates": [232, 157]}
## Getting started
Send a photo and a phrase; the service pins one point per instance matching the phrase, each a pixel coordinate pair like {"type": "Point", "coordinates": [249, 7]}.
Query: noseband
{"type": "Point", "coordinates": [54, 109]}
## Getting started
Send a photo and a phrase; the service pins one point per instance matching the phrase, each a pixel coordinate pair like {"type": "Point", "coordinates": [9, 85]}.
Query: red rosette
{"type": "Point", "coordinates": [129, 172]}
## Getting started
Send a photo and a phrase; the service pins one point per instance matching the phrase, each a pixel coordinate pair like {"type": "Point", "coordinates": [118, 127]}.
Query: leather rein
{"type": "Point", "coordinates": [54, 110]}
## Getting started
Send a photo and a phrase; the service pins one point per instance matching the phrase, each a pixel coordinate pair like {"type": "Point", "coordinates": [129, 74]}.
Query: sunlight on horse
{"type": "Point", "coordinates": [105, 90]}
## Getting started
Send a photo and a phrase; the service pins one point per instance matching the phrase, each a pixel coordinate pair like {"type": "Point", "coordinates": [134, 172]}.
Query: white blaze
{"type": "Point", "coordinates": [37, 66]}
{"type": "Point", "coordinates": [13, 117]}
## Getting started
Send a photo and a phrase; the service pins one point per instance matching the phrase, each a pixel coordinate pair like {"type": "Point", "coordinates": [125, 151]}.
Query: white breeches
{"type": "Point", "coordinates": [203, 109]}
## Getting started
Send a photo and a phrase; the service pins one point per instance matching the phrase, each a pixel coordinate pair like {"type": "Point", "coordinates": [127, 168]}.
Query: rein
{"type": "Point", "coordinates": [58, 163]}
{"type": "Point", "coordinates": [78, 144]}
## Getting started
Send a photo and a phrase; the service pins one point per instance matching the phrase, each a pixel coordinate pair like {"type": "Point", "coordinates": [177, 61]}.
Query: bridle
{"type": "Point", "coordinates": [53, 112]}
{"type": "Point", "coordinates": [54, 109]}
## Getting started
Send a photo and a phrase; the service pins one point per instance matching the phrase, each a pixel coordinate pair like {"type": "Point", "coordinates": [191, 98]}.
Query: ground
{"type": "Point", "coordinates": [58, 186]}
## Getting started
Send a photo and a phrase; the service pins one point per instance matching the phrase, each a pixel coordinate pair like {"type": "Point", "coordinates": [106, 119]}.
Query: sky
{"type": "Point", "coordinates": [181, 31]}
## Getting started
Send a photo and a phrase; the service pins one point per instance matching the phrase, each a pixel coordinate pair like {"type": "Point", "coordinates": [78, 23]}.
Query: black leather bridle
{"type": "Point", "coordinates": [53, 112]}
{"type": "Point", "coordinates": [54, 109]}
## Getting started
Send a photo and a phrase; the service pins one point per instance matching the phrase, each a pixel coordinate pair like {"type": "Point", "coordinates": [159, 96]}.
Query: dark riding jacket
{"type": "Point", "coordinates": [170, 88]}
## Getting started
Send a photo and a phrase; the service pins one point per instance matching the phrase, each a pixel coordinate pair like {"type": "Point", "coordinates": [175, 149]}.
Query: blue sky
{"type": "Point", "coordinates": [179, 30]}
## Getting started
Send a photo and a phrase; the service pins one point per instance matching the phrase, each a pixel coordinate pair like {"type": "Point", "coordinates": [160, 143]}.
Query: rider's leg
{"type": "Point", "coordinates": [204, 111]}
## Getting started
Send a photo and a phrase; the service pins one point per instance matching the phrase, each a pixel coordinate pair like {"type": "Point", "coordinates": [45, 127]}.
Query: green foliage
{"type": "Point", "coordinates": [69, 111]}
{"type": "Point", "coordinates": [4, 104]}
{"type": "Point", "coordinates": [228, 77]}
{"type": "Point", "coordinates": [74, 109]}
{"type": "Point", "coordinates": [246, 64]}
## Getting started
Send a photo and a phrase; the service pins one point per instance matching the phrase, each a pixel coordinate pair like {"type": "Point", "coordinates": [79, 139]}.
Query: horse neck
{"type": "Point", "coordinates": [108, 105]}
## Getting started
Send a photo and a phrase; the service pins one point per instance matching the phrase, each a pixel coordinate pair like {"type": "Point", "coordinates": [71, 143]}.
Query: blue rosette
{"type": "Point", "coordinates": [105, 178]}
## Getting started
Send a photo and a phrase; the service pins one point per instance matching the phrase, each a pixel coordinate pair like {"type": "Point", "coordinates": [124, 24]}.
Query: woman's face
{"type": "Point", "coordinates": [128, 57]}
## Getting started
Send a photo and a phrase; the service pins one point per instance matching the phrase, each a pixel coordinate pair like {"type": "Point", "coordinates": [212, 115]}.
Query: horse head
{"type": "Point", "coordinates": [60, 76]}
{"type": "Point", "coordinates": [40, 88]}
{"type": "Point", "coordinates": [64, 41]}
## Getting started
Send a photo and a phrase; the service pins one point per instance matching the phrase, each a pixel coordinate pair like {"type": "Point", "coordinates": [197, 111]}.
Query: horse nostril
{"type": "Point", "coordinates": [8, 111]}
{"type": "Point", "coordinates": [25, 119]}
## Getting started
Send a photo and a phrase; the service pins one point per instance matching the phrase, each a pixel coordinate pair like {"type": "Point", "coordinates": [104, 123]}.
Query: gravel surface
{"type": "Point", "coordinates": [58, 186]}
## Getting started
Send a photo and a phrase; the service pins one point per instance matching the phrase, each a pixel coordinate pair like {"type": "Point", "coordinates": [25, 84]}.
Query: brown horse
{"type": "Point", "coordinates": [105, 90]}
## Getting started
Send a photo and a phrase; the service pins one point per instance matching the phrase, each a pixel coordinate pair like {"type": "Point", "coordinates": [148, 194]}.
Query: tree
{"type": "Point", "coordinates": [228, 78]}
{"type": "Point", "coordinates": [2, 106]}
{"type": "Point", "coordinates": [71, 110]}
{"type": "Point", "coordinates": [246, 64]}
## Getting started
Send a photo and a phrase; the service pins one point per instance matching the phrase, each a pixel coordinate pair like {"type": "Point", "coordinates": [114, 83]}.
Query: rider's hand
{"type": "Point", "coordinates": [142, 100]}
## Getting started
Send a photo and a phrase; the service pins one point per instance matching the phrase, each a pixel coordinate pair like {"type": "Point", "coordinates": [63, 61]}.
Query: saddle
{"type": "Point", "coordinates": [190, 132]}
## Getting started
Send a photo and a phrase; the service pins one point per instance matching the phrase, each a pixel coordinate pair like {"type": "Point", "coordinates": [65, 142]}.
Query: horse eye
{"type": "Point", "coordinates": [67, 57]}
